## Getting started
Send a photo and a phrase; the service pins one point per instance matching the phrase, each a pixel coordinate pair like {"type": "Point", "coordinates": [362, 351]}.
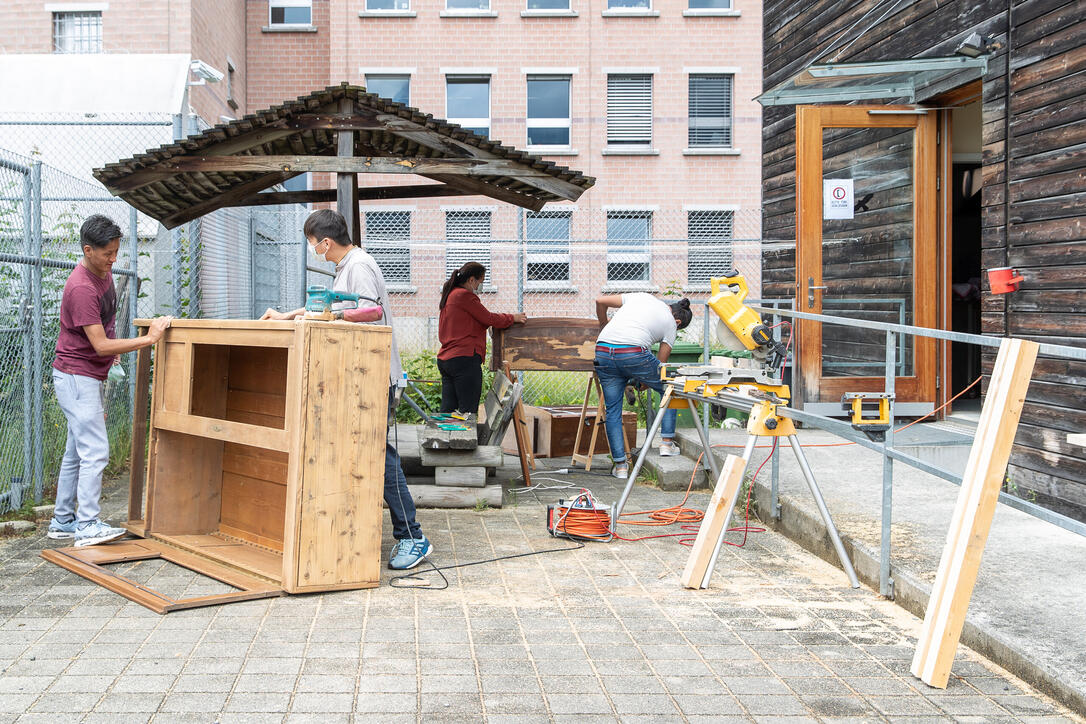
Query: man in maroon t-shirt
{"type": "Point", "coordinates": [86, 349]}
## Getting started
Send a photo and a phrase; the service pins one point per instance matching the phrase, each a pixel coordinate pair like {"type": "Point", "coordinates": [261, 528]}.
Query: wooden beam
{"type": "Point", "coordinates": [347, 181]}
{"type": "Point", "coordinates": [216, 202]}
{"type": "Point", "coordinates": [140, 407]}
{"type": "Point", "coordinates": [474, 186]}
{"type": "Point", "coordinates": [714, 525]}
{"type": "Point", "coordinates": [547, 343]}
{"type": "Point", "coordinates": [345, 164]}
{"type": "Point", "coordinates": [983, 477]}
{"type": "Point", "coordinates": [372, 193]}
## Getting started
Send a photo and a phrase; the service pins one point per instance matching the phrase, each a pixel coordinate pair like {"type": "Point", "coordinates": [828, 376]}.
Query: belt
{"type": "Point", "coordinates": [620, 350]}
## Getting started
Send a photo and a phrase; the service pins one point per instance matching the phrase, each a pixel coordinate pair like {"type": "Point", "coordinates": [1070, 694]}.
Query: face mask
{"type": "Point", "coordinates": [313, 251]}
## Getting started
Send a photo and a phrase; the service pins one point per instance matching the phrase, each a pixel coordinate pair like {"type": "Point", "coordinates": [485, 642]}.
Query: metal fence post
{"type": "Point", "coordinates": [886, 584]}
{"type": "Point", "coordinates": [775, 464]}
{"type": "Point", "coordinates": [38, 358]}
{"type": "Point", "coordinates": [29, 362]}
{"type": "Point", "coordinates": [520, 260]}
{"type": "Point", "coordinates": [706, 411]}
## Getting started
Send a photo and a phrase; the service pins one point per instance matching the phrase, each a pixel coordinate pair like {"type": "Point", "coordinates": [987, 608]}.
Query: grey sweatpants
{"type": "Point", "coordinates": [87, 451]}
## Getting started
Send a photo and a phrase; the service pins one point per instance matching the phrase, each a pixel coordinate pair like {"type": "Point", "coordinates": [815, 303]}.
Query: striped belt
{"type": "Point", "coordinates": [619, 350]}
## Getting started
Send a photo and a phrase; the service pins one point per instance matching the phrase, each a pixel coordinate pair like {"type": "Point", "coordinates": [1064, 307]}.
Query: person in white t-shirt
{"type": "Point", "coordinates": [624, 355]}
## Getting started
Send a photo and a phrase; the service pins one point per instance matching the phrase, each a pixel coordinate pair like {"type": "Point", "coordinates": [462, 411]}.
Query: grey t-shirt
{"type": "Point", "coordinates": [641, 321]}
{"type": "Point", "coordinates": [358, 273]}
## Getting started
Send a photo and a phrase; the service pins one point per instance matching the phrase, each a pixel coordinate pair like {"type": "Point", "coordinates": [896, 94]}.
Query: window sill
{"type": "Point", "coordinates": [631, 151]}
{"type": "Point", "coordinates": [712, 13]}
{"type": "Point", "coordinates": [401, 289]}
{"type": "Point", "coordinates": [386, 13]}
{"type": "Point", "coordinates": [549, 288]}
{"type": "Point", "coordinates": [544, 151]}
{"type": "Point", "coordinates": [487, 289]}
{"type": "Point", "coordinates": [288, 29]}
{"type": "Point", "coordinates": [710, 151]}
{"type": "Point", "coordinates": [549, 13]}
{"type": "Point", "coordinates": [620, 287]}
{"type": "Point", "coordinates": [631, 13]}
{"type": "Point", "coordinates": [468, 14]}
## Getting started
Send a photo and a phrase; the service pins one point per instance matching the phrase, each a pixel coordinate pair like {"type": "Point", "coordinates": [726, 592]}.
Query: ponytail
{"type": "Point", "coordinates": [680, 310]}
{"type": "Point", "coordinates": [470, 270]}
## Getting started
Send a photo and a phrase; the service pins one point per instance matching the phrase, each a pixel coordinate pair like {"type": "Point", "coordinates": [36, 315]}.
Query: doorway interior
{"type": "Point", "coordinates": [966, 180]}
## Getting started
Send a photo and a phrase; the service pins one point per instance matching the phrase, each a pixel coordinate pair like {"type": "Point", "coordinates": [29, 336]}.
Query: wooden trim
{"type": "Point", "coordinates": [297, 386]}
{"type": "Point", "coordinates": [578, 456]}
{"type": "Point", "coordinates": [973, 513]}
{"type": "Point", "coordinates": [341, 164]}
{"type": "Point", "coordinates": [524, 446]}
{"type": "Point", "coordinates": [251, 338]}
{"type": "Point", "coordinates": [138, 469]}
{"type": "Point", "coordinates": [714, 525]}
{"type": "Point", "coordinates": [372, 193]}
{"type": "Point", "coordinates": [226, 430]}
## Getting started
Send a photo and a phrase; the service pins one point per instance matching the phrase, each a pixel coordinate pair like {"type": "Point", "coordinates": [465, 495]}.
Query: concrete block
{"type": "Point", "coordinates": [673, 473]}
{"type": "Point", "coordinates": [487, 456]}
{"type": "Point", "coordinates": [444, 496]}
{"type": "Point", "coordinates": [17, 527]}
{"type": "Point", "coordinates": [473, 476]}
{"type": "Point", "coordinates": [43, 512]}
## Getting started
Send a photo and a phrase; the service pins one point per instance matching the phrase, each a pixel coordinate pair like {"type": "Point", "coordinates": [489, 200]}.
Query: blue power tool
{"type": "Point", "coordinates": [319, 301]}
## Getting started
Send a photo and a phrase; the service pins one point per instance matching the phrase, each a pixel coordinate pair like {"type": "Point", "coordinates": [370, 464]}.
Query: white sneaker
{"type": "Point", "coordinates": [621, 471]}
{"type": "Point", "coordinates": [97, 532]}
{"type": "Point", "coordinates": [669, 449]}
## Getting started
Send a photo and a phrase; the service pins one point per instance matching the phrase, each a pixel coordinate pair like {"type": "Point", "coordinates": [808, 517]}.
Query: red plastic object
{"type": "Point", "coordinates": [1003, 280]}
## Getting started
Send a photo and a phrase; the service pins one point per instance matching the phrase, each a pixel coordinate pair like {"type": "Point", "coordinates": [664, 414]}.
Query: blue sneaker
{"type": "Point", "coordinates": [409, 552]}
{"type": "Point", "coordinates": [61, 531]}
{"type": "Point", "coordinates": [95, 532]}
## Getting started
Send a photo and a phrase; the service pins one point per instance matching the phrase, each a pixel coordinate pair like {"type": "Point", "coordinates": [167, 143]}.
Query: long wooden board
{"type": "Point", "coordinates": [715, 523]}
{"type": "Point", "coordinates": [983, 477]}
{"type": "Point", "coordinates": [88, 562]}
{"type": "Point", "coordinates": [546, 343]}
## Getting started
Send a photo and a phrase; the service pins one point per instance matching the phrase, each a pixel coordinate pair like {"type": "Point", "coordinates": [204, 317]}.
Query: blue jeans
{"type": "Point", "coordinates": [401, 506]}
{"type": "Point", "coordinates": [615, 371]}
{"type": "Point", "coordinates": [87, 449]}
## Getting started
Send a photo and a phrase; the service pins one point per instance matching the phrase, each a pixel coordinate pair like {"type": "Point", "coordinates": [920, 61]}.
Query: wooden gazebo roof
{"type": "Point", "coordinates": [229, 165]}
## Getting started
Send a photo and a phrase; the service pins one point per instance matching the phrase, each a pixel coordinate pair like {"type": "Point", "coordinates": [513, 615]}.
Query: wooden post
{"type": "Point", "coordinates": [139, 439]}
{"type": "Point", "coordinates": [524, 447]}
{"type": "Point", "coordinates": [715, 523]}
{"type": "Point", "coordinates": [973, 513]}
{"type": "Point", "coordinates": [347, 183]}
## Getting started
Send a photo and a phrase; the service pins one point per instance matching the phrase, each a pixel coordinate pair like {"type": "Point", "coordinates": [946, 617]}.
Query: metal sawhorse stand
{"type": "Point", "coordinates": [764, 422]}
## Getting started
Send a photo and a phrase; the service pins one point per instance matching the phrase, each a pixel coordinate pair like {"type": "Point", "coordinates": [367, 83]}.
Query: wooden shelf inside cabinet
{"type": "Point", "coordinates": [265, 449]}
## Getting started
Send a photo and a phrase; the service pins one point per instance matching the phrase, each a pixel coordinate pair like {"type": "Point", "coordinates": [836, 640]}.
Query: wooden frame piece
{"type": "Point", "coordinates": [566, 344]}
{"type": "Point", "coordinates": [88, 561]}
{"type": "Point", "coordinates": [524, 448]}
{"type": "Point", "coordinates": [981, 482]}
{"type": "Point", "coordinates": [141, 405]}
{"type": "Point", "coordinates": [714, 525]}
{"type": "Point", "coordinates": [585, 458]}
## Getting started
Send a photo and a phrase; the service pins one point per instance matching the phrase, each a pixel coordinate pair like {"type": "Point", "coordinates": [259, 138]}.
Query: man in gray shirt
{"type": "Point", "coordinates": [357, 272]}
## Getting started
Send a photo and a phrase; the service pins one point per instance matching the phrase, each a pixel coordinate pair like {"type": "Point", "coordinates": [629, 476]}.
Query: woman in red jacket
{"type": "Point", "coordinates": [461, 328]}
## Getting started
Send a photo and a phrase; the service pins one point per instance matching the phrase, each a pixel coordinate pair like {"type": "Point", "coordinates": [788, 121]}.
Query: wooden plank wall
{"type": "Point", "coordinates": [1032, 217]}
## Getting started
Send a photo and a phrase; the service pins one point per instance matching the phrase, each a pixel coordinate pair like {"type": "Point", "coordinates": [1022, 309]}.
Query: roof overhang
{"type": "Point", "coordinates": [342, 130]}
{"type": "Point", "coordinates": [911, 81]}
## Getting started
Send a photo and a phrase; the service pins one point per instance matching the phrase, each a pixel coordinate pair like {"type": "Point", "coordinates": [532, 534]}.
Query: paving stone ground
{"type": "Point", "coordinates": [599, 634]}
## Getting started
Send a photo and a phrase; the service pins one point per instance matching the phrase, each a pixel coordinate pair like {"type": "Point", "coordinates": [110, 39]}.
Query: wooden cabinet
{"type": "Point", "coordinates": [265, 456]}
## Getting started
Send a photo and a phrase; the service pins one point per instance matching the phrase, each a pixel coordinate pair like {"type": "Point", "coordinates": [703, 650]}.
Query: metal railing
{"type": "Point", "coordinates": [886, 447]}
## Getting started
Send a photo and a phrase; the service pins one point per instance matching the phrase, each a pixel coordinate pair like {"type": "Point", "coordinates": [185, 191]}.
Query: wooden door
{"type": "Point", "coordinates": [880, 264]}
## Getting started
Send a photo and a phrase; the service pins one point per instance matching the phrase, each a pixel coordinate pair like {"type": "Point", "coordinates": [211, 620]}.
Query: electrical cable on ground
{"type": "Point", "coordinates": [394, 581]}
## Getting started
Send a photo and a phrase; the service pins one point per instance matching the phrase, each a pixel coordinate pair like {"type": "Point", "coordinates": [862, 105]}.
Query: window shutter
{"type": "Point", "coordinates": [387, 233]}
{"type": "Point", "coordinates": [467, 225]}
{"type": "Point", "coordinates": [710, 110]}
{"type": "Point", "coordinates": [709, 252]}
{"type": "Point", "coordinates": [629, 109]}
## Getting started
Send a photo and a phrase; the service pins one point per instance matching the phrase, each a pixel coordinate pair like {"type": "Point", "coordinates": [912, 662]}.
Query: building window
{"type": "Point", "coordinates": [79, 32]}
{"type": "Point", "coordinates": [709, 251]}
{"type": "Point", "coordinates": [547, 234]}
{"type": "Point", "coordinates": [467, 232]}
{"type": "Point", "coordinates": [548, 5]}
{"type": "Point", "coordinates": [548, 110]}
{"type": "Point", "coordinates": [628, 233]}
{"type": "Point", "coordinates": [230, 70]}
{"type": "Point", "coordinates": [393, 87]}
{"type": "Point", "coordinates": [629, 110]}
{"type": "Point", "coordinates": [387, 234]}
{"type": "Point", "coordinates": [467, 102]}
{"type": "Point", "coordinates": [629, 4]}
{"type": "Point", "coordinates": [290, 12]}
{"type": "Point", "coordinates": [467, 4]}
{"type": "Point", "coordinates": [710, 4]}
{"type": "Point", "coordinates": [710, 110]}
{"type": "Point", "coordinates": [388, 5]}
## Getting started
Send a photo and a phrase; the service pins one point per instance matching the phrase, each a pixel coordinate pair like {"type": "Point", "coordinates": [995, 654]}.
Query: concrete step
{"type": "Point", "coordinates": [673, 473]}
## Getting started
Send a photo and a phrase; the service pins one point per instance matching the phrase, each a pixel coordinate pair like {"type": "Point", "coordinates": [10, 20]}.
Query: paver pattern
{"type": "Point", "coordinates": [599, 634]}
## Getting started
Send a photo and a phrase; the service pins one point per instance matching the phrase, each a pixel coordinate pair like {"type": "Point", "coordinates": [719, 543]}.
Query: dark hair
{"type": "Point", "coordinates": [326, 223]}
{"type": "Point", "coordinates": [471, 270]}
{"type": "Point", "coordinates": [98, 230]}
{"type": "Point", "coordinates": [680, 310]}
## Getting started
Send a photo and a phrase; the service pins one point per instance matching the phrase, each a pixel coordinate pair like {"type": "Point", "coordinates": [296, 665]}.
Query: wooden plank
{"type": "Point", "coordinates": [343, 164]}
{"type": "Point", "coordinates": [270, 465]}
{"type": "Point", "coordinates": [347, 178]}
{"type": "Point", "coordinates": [231, 562]}
{"type": "Point", "coordinates": [520, 432]}
{"type": "Point", "coordinates": [218, 201]}
{"type": "Point", "coordinates": [249, 338]}
{"type": "Point", "coordinates": [460, 476]}
{"type": "Point", "coordinates": [253, 509]}
{"type": "Point", "coordinates": [212, 330]}
{"type": "Point", "coordinates": [443, 496]}
{"type": "Point", "coordinates": [487, 456]}
{"type": "Point", "coordinates": [187, 483]}
{"type": "Point", "coordinates": [369, 193]}
{"type": "Point", "coordinates": [208, 381]}
{"type": "Point", "coordinates": [141, 403]}
{"type": "Point", "coordinates": [546, 343]}
{"type": "Point", "coordinates": [209, 427]}
{"type": "Point", "coordinates": [342, 458]}
{"type": "Point", "coordinates": [174, 366]}
{"type": "Point", "coordinates": [973, 513]}
{"type": "Point", "coordinates": [714, 525]}
{"type": "Point", "coordinates": [577, 456]}
{"type": "Point", "coordinates": [297, 373]}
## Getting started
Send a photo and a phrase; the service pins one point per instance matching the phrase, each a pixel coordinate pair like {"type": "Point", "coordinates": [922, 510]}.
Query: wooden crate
{"type": "Point", "coordinates": [266, 459]}
{"type": "Point", "coordinates": [552, 430]}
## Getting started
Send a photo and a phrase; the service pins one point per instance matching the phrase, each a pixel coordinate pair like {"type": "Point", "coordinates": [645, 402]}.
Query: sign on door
{"type": "Point", "coordinates": [837, 198]}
